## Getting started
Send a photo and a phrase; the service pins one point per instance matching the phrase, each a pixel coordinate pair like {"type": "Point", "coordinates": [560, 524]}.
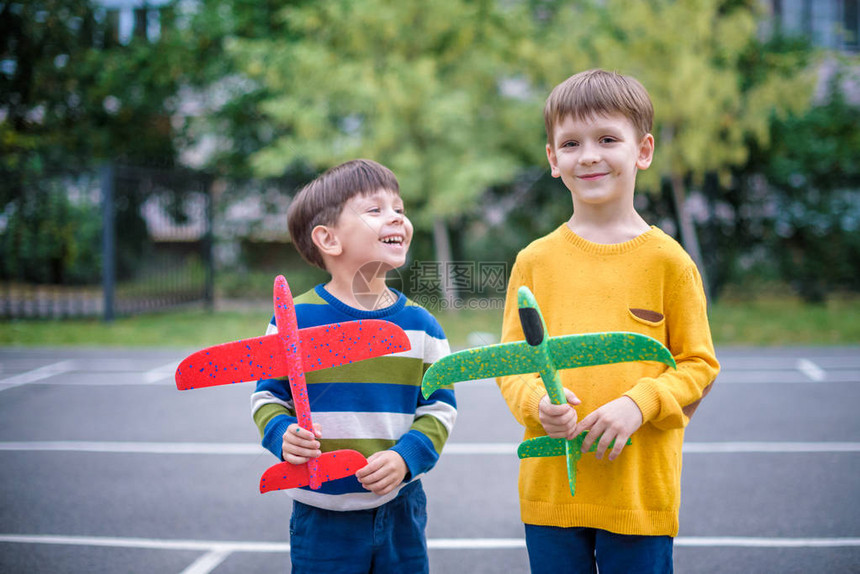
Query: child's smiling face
{"type": "Point", "coordinates": [597, 158]}
{"type": "Point", "coordinates": [374, 228]}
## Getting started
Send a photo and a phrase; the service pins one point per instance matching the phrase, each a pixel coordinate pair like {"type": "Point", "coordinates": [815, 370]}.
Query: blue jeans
{"type": "Point", "coordinates": [555, 550]}
{"type": "Point", "coordinates": [380, 540]}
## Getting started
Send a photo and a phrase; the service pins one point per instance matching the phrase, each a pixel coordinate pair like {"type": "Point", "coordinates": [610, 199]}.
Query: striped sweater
{"type": "Point", "coordinates": [368, 406]}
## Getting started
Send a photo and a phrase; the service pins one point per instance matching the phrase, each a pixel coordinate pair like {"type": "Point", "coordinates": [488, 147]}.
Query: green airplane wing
{"type": "Point", "coordinates": [548, 446]}
{"type": "Point", "coordinates": [571, 449]}
{"type": "Point", "coordinates": [481, 363]}
{"type": "Point", "coordinates": [566, 352]}
{"type": "Point", "coordinates": [541, 446]}
{"type": "Point", "coordinates": [573, 351]}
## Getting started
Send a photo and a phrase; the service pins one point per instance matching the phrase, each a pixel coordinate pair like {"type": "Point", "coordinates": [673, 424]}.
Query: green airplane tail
{"type": "Point", "coordinates": [544, 446]}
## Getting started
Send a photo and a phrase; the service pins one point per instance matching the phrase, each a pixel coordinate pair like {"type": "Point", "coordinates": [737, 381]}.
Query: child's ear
{"type": "Point", "coordinates": [326, 240]}
{"type": "Point", "coordinates": [553, 162]}
{"type": "Point", "coordinates": [646, 152]}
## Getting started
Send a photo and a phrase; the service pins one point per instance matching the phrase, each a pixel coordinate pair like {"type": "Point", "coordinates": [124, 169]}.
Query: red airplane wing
{"type": "Point", "coordinates": [292, 352]}
{"type": "Point", "coordinates": [263, 357]}
{"type": "Point", "coordinates": [331, 466]}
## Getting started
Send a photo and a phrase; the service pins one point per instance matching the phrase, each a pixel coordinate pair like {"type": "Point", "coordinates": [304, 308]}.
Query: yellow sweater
{"type": "Point", "coordinates": [647, 285]}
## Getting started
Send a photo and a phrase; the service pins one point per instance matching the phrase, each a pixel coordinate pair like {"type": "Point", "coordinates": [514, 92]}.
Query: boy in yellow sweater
{"type": "Point", "coordinates": [606, 269]}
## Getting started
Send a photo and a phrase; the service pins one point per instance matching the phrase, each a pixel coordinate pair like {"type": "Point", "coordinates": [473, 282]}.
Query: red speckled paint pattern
{"type": "Point", "coordinates": [262, 357]}
{"type": "Point", "coordinates": [290, 353]}
{"type": "Point", "coordinates": [288, 333]}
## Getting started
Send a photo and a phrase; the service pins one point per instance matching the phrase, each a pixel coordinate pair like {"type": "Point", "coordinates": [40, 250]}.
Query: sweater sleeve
{"type": "Point", "coordinates": [668, 401]}
{"type": "Point", "coordinates": [272, 409]}
{"type": "Point", "coordinates": [523, 393]}
{"type": "Point", "coordinates": [435, 416]}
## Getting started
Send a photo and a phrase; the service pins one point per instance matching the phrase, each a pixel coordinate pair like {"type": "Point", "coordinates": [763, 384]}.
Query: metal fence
{"type": "Point", "coordinates": [121, 241]}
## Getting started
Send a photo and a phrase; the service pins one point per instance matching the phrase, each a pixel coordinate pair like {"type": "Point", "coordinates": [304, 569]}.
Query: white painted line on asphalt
{"type": "Point", "coordinates": [804, 371]}
{"type": "Point", "coordinates": [688, 541]}
{"type": "Point", "coordinates": [811, 370]}
{"type": "Point", "coordinates": [500, 448]}
{"type": "Point", "coordinates": [223, 548]}
{"type": "Point", "coordinates": [207, 563]}
{"type": "Point", "coordinates": [147, 543]}
{"type": "Point", "coordinates": [751, 380]}
{"type": "Point", "coordinates": [160, 373]}
{"type": "Point", "coordinates": [101, 364]}
{"type": "Point", "coordinates": [37, 374]}
{"type": "Point", "coordinates": [135, 447]}
{"type": "Point", "coordinates": [113, 382]}
{"type": "Point", "coordinates": [475, 543]}
{"type": "Point", "coordinates": [769, 447]}
{"type": "Point", "coordinates": [480, 448]}
{"type": "Point", "coordinates": [754, 542]}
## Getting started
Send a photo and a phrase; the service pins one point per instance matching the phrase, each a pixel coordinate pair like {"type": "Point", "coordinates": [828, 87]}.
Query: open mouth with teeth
{"type": "Point", "coordinates": [392, 240]}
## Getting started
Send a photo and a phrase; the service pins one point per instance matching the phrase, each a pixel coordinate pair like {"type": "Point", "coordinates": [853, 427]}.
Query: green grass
{"type": "Point", "coordinates": [771, 322]}
{"type": "Point", "coordinates": [187, 328]}
{"type": "Point", "coordinates": [786, 321]}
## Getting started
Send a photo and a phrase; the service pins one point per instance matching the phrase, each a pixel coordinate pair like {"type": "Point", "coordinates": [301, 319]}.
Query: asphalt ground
{"type": "Point", "coordinates": [106, 467]}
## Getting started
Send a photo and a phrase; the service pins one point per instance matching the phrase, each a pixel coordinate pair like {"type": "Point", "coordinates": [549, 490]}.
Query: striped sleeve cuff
{"type": "Point", "coordinates": [417, 451]}
{"type": "Point", "coordinates": [273, 438]}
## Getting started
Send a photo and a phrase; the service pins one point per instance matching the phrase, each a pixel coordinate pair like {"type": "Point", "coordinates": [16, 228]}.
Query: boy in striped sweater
{"type": "Point", "coordinates": [350, 221]}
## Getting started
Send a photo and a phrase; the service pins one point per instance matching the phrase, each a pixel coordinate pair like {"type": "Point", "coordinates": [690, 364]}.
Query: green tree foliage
{"type": "Point", "coordinates": [791, 213]}
{"type": "Point", "coordinates": [815, 224]}
{"type": "Point", "coordinates": [448, 94]}
{"type": "Point", "coordinates": [72, 97]}
{"type": "Point", "coordinates": [425, 88]}
{"type": "Point", "coordinates": [227, 100]}
{"type": "Point", "coordinates": [47, 238]}
{"type": "Point", "coordinates": [433, 90]}
{"type": "Point", "coordinates": [693, 57]}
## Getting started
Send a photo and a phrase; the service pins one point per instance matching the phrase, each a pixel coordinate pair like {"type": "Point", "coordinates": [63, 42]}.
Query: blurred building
{"type": "Point", "coordinates": [829, 24]}
{"type": "Point", "coordinates": [130, 18]}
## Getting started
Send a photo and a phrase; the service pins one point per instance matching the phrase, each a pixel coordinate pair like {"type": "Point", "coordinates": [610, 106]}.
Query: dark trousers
{"type": "Point", "coordinates": [388, 539]}
{"type": "Point", "coordinates": [554, 550]}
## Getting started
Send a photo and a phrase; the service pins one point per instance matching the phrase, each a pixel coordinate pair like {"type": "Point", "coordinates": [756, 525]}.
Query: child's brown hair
{"type": "Point", "coordinates": [321, 201]}
{"type": "Point", "coordinates": [599, 93]}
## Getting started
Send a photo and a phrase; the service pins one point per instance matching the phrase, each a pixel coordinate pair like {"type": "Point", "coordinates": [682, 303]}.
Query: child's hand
{"type": "Point", "coordinates": [559, 421]}
{"type": "Point", "coordinates": [384, 471]}
{"type": "Point", "coordinates": [300, 445]}
{"type": "Point", "coordinates": [616, 420]}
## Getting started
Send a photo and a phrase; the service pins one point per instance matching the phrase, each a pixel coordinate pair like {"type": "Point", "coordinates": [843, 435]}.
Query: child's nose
{"type": "Point", "coordinates": [589, 155]}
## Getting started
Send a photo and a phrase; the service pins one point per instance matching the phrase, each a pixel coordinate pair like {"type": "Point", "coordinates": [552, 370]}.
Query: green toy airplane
{"type": "Point", "coordinates": [546, 356]}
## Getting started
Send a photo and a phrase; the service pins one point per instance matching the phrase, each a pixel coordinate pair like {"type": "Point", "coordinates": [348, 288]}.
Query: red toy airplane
{"type": "Point", "coordinates": [291, 352]}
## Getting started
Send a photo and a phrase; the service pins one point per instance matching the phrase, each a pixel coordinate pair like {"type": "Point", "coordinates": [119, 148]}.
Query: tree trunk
{"type": "Point", "coordinates": [442, 245]}
{"type": "Point", "coordinates": [688, 229]}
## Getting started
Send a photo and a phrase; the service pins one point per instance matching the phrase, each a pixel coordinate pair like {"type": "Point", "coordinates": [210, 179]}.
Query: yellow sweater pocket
{"type": "Point", "coordinates": [647, 316]}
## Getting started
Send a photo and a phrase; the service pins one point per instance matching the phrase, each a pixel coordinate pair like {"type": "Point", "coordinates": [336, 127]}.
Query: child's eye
{"type": "Point", "coordinates": [570, 144]}
{"type": "Point", "coordinates": [608, 139]}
